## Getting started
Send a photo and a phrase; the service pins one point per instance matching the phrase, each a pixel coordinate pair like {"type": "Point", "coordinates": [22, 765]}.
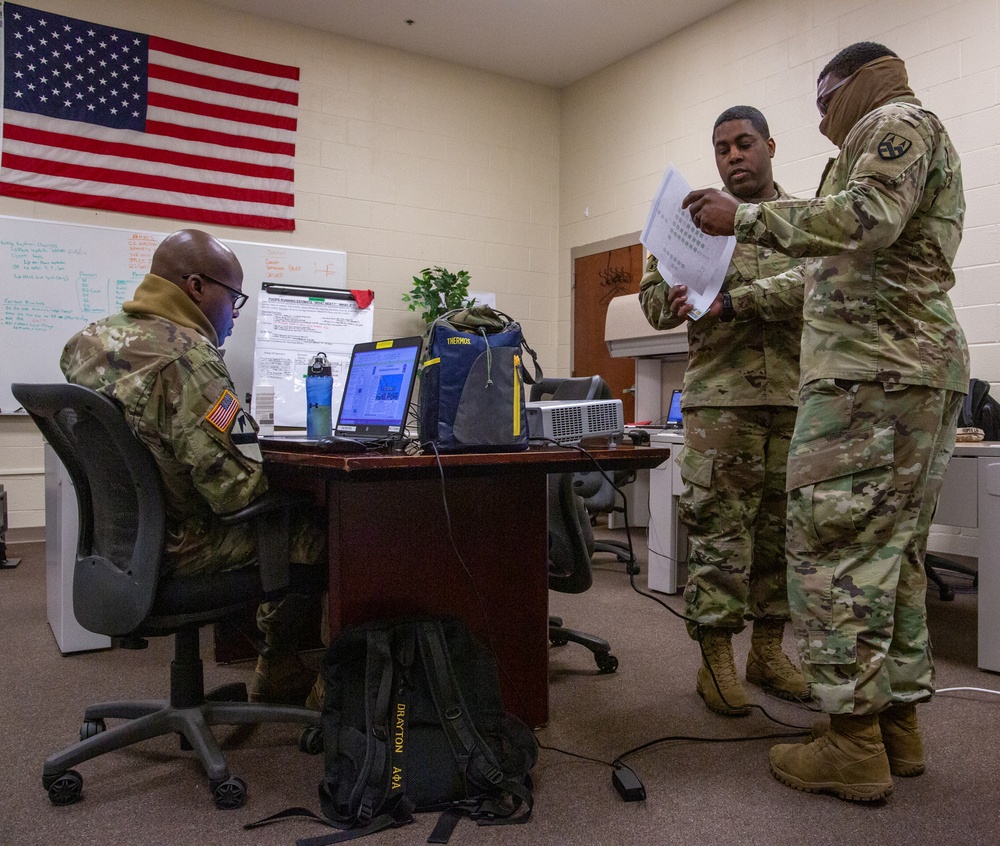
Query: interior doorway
{"type": "Point", "coordinates": [597, 278]}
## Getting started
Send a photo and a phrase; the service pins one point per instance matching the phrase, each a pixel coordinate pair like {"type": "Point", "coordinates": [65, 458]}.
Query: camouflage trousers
{"type": "Point", "coordinates": [733, 504]}
{"type": "Point", "coordinates": [211, 547]}
{"type": "Point", "coordinates": [864, 473]}
{"type": "Point", "coordinates": [204, 545]}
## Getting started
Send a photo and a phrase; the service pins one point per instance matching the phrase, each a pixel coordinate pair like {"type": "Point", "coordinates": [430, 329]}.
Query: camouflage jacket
{"type": "Point", "coordinates": [886, 224]}
{"type": "Point", "coordinates": [158, 360]}
{"type": "Point", "coordinates": [750, 361]}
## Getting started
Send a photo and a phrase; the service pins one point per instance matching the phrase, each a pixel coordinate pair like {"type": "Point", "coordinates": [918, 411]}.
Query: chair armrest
{"type": "Point", "coordinates": [269, 502]}
{"type": "Point", "coordinates": [271, 516]}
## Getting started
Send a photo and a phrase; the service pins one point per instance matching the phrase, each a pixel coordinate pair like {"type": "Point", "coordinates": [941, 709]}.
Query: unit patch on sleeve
{"type": "Point", "coordinates": [244, 437]}
{"type": "Point", "coordinates": [224, 411]}
{"type": "Point", "coordinates": [892, 146]}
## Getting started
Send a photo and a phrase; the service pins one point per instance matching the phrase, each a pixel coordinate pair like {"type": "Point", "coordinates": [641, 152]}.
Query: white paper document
{"type": "Point", "coordinates": [291, 329]}
{"type": "Point", "coordinates": [686, 255]}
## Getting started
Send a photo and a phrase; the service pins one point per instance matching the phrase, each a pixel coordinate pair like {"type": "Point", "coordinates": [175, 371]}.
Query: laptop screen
{"type": "Point", "coordinates": [675, 420]}
{"type": "Point", "coordinates": [377, 392]}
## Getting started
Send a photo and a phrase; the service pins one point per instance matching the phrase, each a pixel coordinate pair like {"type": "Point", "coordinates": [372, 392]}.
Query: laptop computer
{"type": "Point", "coordinates": [675, 419]}
{"type": "Point", "coordinates": [377, 392]}
{"type": "Point", "coordinates": [380, 379]}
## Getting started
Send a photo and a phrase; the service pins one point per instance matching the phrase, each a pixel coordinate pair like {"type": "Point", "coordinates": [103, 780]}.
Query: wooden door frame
{"type": "Point", "coordinates": [617, 243]}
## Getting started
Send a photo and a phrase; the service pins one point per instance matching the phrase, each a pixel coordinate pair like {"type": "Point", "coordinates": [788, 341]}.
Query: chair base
{"type": "Point", "coordinates": [933, 563]}
{"type": "Point", "coordinates": [622, 552]}
{"type": "Point", "coordinates": [189, 714]}
{"type": "Point", "coordinates": [559, 635]}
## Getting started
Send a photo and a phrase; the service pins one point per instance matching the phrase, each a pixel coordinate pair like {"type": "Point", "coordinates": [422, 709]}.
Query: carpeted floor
{"type": "Point", "coordinates": [707, 785]}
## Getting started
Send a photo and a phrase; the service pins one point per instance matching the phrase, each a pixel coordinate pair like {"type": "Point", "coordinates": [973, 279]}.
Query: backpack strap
{"type": "Point", "coordinates": [400, 815]}
{"type": "Point", "coordinates": [370, 789]}
{"type": "Point", "coordinates": [467, 744]}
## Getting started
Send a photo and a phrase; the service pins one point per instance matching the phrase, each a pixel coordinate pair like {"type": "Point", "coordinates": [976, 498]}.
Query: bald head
{"type": "Point", "coordinates": [206, 270]}
{"type": "Point", "coordinates": [193, 251]}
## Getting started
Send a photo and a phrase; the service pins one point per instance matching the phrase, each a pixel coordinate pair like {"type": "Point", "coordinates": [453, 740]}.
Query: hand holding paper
{"type": "Point", "coordinates": [686, 256]}
{"type": "Point", "coordinates": [713, 211]}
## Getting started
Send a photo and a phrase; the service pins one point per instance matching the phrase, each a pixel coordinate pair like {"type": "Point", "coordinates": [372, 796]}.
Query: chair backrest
{"type": "Point", "coordinates": [120, 502]}
{"type": "Point", "coordinates": [571, 539]}
{"type": "Point", "coordinates": [570, 388]}
{"type": "Point", "coordinates": [598, 493]}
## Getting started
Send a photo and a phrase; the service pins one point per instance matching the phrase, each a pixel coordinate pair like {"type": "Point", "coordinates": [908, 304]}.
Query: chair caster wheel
{"type": "Point", "coordinates": [311, 740]}
{"type": "Point", "coordinates": [91, 728]}
{"type": "Point", "coordinates": [558, 640]}
{"type": "Point", "coordinates": [632, 568]}
{"type": "Point", "coordinates": [64, 788]}
{"type": "Point", "coordinates": [947, 593]}
{"type": "Point", "coordinates": [606, 663]}
{"type": "Point", "coordinates": [229, 794]}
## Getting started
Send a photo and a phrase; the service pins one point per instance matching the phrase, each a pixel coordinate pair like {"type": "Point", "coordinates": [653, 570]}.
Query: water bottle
{"type": "Point", "coordinates": [319, 396]}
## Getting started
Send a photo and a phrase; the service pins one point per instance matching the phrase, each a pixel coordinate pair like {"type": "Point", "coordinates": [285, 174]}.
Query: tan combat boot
{"type": "Point", "coordinates": [769, 668]}
{"type": "Point", "coordinates": [901, 737]}
{"type": "Point", "coordinates": [848, 761]}
{"type": "Point", "coordinates": [317, 696]}
{"type": "Point", "coordinates": [281, 678]}
{"type": "Point", "coordinates": [717, 681]}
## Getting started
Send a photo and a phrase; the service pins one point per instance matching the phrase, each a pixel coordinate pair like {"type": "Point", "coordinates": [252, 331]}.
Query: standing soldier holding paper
{"type": "Point", "coordinates": [884, 367]}
{"type": "Point", "coordinates": [739, 402]}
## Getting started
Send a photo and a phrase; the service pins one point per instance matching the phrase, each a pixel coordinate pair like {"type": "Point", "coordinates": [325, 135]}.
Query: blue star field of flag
{"type": "Point", "coordinates": [65, 68]}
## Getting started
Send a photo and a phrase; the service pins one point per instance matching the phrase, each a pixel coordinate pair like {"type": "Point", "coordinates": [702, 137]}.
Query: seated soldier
{"type": "Point", "coordinates": [159, 360]}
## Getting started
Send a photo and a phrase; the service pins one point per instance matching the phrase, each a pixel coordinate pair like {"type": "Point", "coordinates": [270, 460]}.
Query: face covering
{"type": "Point", "coordinates": [870, 86]}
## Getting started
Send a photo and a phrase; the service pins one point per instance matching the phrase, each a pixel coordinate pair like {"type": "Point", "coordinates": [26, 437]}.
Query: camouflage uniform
{"type": "Point", "coordinates": [884, 364]}
{"type": "Point", "coordinates": [739, 398]}
{"type": "Point", "coordinates": [158, 359]}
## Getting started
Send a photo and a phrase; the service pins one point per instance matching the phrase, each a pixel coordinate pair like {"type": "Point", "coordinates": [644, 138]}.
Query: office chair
{"type": "Point", "coordinates": [118, 590]}
{"type": "Point", "coordinates": [933, 563]}
{"type": "Point", "coordinates": [599, 495]}
{"type": "Point", "coordinates": [571, 545]}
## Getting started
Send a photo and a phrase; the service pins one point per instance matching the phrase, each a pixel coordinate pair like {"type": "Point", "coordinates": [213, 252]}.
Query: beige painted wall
{"type": "Point", "coordinates": [404, 161]}
{"type": "Point", "coordinates": [620, 128]}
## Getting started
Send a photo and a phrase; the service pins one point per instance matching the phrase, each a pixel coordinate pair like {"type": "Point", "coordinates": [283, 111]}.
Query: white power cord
{"type": "Point", "coordinates": [973, 689]}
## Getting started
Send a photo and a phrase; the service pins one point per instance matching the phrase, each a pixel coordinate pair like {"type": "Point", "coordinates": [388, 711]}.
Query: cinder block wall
{"type": "Point", "coordinates": [620, 128]}
{"type": "Point", "coordinates": [402, 161]}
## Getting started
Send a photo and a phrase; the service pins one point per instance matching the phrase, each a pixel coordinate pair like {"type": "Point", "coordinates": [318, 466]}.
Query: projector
{"type": "Point", "coordinates": [567, 422]}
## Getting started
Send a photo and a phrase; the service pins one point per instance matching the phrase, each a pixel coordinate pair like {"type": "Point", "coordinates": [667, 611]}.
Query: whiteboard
{"type": "Point", "coordinates": [55, 278]}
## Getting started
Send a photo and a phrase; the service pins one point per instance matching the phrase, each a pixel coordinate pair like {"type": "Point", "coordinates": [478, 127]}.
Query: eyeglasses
{"type": "Point", "coordinates": [825, 95]}
{"type": "Point", "coordinates": [239, 298]}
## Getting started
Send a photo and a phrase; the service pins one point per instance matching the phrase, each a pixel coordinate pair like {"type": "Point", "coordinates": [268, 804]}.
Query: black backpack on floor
{"type": "Point", "coordinates": [413, 721]}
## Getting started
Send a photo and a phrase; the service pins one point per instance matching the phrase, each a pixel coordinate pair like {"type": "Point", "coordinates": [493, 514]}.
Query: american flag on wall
{"type": "Point", "coordinates": [106, 118]}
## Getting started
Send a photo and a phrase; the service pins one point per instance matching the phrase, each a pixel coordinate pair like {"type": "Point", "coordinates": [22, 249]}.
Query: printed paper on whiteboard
{"type": "Point", "coordinates": [291, 329]}
{"type": "Point", "coordinates": [686, 255]}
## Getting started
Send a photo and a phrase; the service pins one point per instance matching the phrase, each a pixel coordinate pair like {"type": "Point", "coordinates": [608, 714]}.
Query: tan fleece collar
{"type": "Point", "coordinates": [162, 298]}
{"type": "Point", "coordinates": [870, 86]}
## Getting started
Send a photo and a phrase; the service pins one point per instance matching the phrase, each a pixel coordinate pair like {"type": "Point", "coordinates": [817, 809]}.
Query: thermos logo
{"type": "Point", "coordinates": [460, 341]}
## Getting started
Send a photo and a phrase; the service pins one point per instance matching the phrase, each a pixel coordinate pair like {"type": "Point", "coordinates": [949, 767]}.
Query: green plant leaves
{"type": "Point", "coordinates": [437, 291]}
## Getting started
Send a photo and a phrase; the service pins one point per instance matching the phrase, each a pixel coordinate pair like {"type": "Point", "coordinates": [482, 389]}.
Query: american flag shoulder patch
{"type": "Point", "coordinates": [223, 412]}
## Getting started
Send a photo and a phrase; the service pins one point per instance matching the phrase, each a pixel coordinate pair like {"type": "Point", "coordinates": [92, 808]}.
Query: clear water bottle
{"type": "Point", "coordinates": [319, 396]}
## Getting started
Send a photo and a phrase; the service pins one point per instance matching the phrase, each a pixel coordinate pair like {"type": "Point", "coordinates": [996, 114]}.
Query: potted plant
{"type": "Point", "coordinates": [436, 291]}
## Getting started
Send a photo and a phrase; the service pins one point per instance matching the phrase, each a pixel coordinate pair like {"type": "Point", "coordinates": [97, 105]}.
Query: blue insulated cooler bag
{"type": "Point", "coordinates": [472, 383]}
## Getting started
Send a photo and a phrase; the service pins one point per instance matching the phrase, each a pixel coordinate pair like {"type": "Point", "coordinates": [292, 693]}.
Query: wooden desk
{"type": "Point", "coordinates": [391, 553]}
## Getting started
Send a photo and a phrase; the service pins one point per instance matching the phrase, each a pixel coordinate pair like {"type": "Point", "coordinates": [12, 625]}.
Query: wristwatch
{"type": "Point", "coordinates": [728, 315]}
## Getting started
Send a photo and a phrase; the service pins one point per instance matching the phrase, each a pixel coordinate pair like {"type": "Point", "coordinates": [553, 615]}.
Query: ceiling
{"type": "Point", "coordinates": [551, 42]}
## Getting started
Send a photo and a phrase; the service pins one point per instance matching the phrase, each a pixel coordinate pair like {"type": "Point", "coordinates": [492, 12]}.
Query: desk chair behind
{"type": "Point", "coordinates": [571, 545]}
{"type": "Point", "coordinates": [599, 495]}
{"type": "Point", "coordinates": [118, 590]}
